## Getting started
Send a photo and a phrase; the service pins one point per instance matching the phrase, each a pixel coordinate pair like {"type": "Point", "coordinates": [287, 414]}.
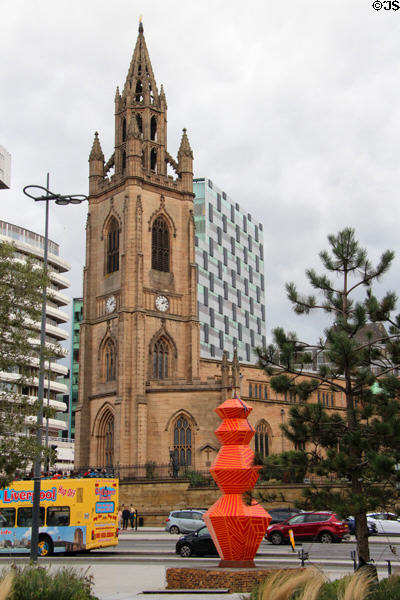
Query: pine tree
{"type": "Point", "coordinates": [21, 284]}
{"type": "Point", "coordinates": [356, 359]}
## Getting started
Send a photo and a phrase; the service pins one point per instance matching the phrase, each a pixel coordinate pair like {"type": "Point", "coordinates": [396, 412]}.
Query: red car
{"type": "Point", "coordinates": [325, 527]}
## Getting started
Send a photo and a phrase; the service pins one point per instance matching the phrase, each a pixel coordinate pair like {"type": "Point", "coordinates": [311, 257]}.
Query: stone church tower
{"type": "Point", "coordinates": [145, 395]}
{"type": "Point", "coordinates": [140, 331]}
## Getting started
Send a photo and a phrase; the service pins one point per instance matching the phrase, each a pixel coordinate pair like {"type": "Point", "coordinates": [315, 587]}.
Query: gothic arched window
{"type": "Point", "coordinates": [123, 160]}
{"type": "Point", "coordinates": [109, 443]}
{"type": "Point", "coordinates": [112, 246]}
{"type": "Point", "coordinates": [123, 129]}
{"type": "Point", "coordinates": [183, 441]}
{"type": "Point", "coordinates": [139, 91]}
{"type": "Point", "coordinates": [139, 123]}
{"type": "Point", "coordinates": [153, 129]}
{"type": "Point", "coordinates": [160, 245]}
{"type": "Point", "coordinates": [153, 159]}
{"type": "Point", "coordinates": [110, 361]}
{"type": "Point", "coordinates": [105, 447]}
{"type": "Point", "coordinates": [161, 359]}
{"type": "Point", "coordinates": [261, 439]}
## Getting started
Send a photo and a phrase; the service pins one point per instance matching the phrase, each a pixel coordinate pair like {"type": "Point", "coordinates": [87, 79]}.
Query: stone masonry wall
{"type": "Point", "coordinates": [154, 500]}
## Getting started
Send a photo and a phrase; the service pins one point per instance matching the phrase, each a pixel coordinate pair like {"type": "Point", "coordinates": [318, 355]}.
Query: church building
{"type": "Point", "coordinates": [145, 394]}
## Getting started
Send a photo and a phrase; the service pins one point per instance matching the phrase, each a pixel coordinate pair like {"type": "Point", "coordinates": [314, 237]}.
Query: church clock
{"type": "Point", "coordinates": [162, 303]}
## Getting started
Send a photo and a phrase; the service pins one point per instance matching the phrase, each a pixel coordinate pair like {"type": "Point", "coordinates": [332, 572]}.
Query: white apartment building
{"type": "Point", "coordinates": [31, 244]}
{"type": "Point", "coordinates": [5, 168]}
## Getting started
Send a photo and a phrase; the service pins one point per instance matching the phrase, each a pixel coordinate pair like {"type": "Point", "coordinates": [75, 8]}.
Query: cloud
{"type": "Point", "coordinates": [292, 108]}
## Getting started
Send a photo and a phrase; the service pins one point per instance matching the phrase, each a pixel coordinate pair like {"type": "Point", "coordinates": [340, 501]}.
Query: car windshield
{"type": "Point", "coordinates": [202, 531]}
{"type": "Point", "coordinates": [297, 519]}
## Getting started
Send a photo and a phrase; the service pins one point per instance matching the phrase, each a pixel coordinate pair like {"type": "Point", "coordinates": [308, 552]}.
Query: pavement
{"type": "Point", "coordinates": [144, 577]}
{"type": "Point", "coordinates": [133, 581]}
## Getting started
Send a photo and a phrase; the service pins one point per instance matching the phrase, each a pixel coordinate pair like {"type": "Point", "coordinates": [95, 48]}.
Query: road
{"type": "Point", "coordinates": [139, 562]}
{"type": "Point", "coordinates": [381, 548]}
{"type": "Point", "coordinates": [156, 545]}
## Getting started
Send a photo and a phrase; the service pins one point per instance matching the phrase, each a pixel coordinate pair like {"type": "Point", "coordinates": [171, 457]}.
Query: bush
{"type": "Point", "coordinates": [287, 585]}
{"type": "Point", "coordinates": [150, 469]}
{"type": "Point", "coordinates": [196, 479]}
{"type": "Point", "coordinates": [387, 589]}
{"type": "Point", "coordinates": [39, 583]}
{"type": "Point", "coordinates": [333, 590]}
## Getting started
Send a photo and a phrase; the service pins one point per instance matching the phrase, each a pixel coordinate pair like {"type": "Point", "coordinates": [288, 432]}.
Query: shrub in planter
{"type": "Point", "coordinates": [311, 584]}
{"type": "Point", "coordinates": [196, 479]}
{"type": "Point", "coordinates": [387, 589]}
{"type": "Point", "coordinates": [150, 469]}
{"type": "Point", "coordinates": [39, 583]}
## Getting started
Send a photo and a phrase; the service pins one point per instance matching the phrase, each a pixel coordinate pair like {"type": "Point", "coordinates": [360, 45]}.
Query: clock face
{"type": "Point", "coordinates": [162, 303]}
{"type": "Point", "coordinates": [111, 304]}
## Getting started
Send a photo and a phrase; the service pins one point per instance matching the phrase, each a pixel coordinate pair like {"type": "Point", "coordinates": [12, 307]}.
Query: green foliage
{"type": "Point", "coordinates": [358, 353]}
{"type": "Point", "coordinates": [303, 388]}
{"type": "Point", "coordinates": [38, 583]}
{"type": "Point", "coordinates": [21, 285]}
{"type": "Point", "coordinates": [196, 479]}
{"type": "Point", "coordinates": [150, 467]}
{"type": "Point", "coordinates": [387, 589]}
{"type": "Point", "coordinates": [289, 467]}
{"type": "Point", "coordinates": [334, 590]}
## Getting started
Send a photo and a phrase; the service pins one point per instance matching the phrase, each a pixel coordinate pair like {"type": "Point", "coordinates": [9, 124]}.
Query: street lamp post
{"type": "Point", "coordinates": [33, 192]}
{"type": "Point", "coordinates": [47, 405]}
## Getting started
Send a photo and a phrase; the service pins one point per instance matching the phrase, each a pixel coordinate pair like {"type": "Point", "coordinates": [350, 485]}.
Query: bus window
{"type": "Point", "coordinates": [7, 517]}
{"type": "Point", "coordinates": [58, 516]}
{"type": "Point", "coordinates": [24, 516]}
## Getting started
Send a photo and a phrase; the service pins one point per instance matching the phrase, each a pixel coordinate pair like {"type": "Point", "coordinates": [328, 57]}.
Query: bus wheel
{"type": "Point", "coordinates": [45, 546]}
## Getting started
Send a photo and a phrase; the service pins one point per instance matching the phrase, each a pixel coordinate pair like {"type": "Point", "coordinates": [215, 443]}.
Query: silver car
{"type": "Point", "coordinates": [185, 521]}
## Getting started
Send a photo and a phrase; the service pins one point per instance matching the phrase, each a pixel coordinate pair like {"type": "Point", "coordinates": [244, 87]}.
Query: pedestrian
{"type": "Point", "coordinates": [125, 517]}
{"type": "Point", "coordinates": [119, 518]}
{"type": "Point", "coordinates": [132, 514]}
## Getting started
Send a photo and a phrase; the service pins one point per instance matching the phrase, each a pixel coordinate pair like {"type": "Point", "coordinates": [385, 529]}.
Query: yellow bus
{"type": "Point", "coordinates": [75, 514]}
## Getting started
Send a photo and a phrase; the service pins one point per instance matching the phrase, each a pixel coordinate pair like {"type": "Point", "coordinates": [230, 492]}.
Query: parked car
{"type": "Point", "coordinates": [372, 528]}
{"type": "Point", "coordinates": [386, 523]}
{"type": "Point", "coordinates": [282, 514]}
{"type": "Point", "coordinates": [323, 526]}
{"type": "Point", "coordinates": [198, 542]}
{"type": "Point", "coordinates": [185, 520]}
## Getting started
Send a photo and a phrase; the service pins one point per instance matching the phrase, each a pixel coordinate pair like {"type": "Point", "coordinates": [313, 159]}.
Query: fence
{"type": "Point", "coordinates": [152, 471]}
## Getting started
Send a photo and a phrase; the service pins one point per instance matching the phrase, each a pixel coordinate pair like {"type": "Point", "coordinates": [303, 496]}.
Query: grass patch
{"type": "Point", "coordinates": [42, 583]}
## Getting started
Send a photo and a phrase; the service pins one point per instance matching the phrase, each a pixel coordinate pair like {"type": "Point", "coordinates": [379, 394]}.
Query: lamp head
{"type": "Point", "coordinates": [62, 201]}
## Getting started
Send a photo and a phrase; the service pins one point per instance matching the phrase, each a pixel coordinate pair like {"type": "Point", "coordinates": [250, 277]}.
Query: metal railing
{"type": "Point", "coordinates": [151, 472]}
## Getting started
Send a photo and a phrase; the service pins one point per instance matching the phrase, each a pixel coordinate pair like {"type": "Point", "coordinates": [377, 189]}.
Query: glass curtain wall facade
{"type": "Point", "coordinates": [231, 284]}
{"type": "Point", "coordinates": [77, 313]}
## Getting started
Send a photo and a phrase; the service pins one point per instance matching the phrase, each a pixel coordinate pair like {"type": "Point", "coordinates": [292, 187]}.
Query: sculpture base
{"type": "Point", "coordinates": [236, 580]}
{"type": "Point", "coordinates": [237, 564]}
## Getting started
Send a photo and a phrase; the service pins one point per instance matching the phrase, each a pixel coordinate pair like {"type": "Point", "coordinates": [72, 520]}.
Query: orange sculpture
{"type": "Point", "coordinates": [236, 528]}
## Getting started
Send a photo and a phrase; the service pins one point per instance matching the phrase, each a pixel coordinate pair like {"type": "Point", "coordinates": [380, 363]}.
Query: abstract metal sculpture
{"type": "Point", "coordinates": [236, 528]}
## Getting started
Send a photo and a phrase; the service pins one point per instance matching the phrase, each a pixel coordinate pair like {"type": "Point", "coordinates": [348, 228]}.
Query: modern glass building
{"type": "Point", "coordinates": [231, 286]}
{"type": "Point", "coordinates": [77, 308]}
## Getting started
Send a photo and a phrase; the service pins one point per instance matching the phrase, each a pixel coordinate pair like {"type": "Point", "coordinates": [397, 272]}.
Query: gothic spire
{"type": "Point", "coordinates": [184, 148]}
{"type": "Point", "coordinates": [96, 152]}
{"type": "Point", "coordinates": [140, 82]}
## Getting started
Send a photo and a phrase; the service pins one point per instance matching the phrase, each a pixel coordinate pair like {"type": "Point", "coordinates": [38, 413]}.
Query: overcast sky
{"type": "Point", "coordinates": [293, 108]}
